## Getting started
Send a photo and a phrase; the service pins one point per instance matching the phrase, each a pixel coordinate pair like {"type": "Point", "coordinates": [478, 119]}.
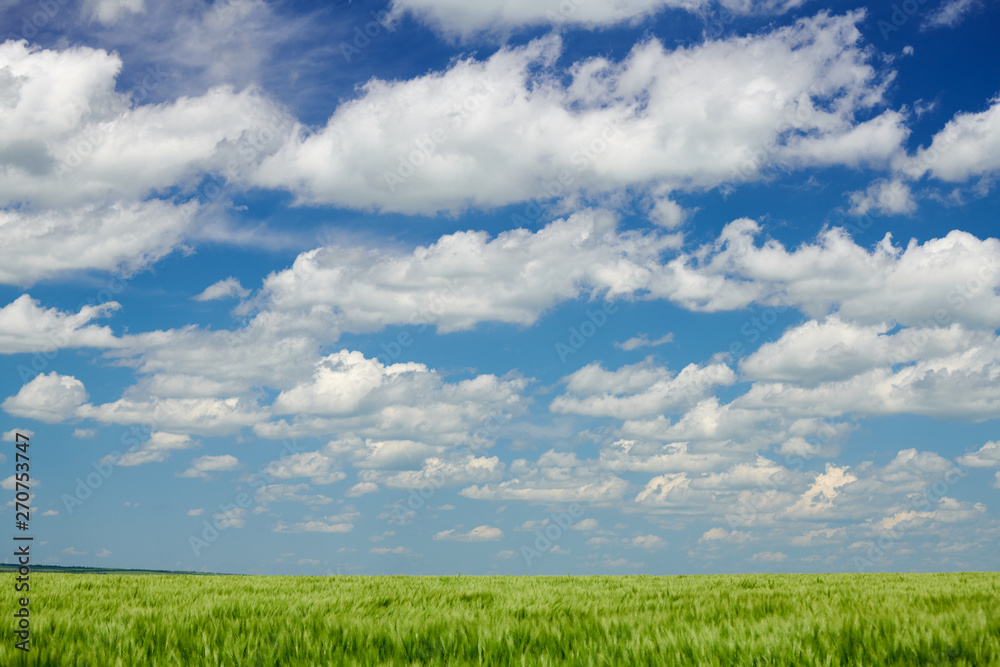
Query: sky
{"type": "Point", "coordinates": [502, 287]}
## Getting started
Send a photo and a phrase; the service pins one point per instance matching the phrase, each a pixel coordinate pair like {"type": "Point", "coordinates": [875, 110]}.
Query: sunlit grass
{"type": "Point", "coordinates": [869, 619]}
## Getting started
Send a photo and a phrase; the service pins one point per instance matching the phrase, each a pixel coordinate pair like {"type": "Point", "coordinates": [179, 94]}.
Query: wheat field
{"type": "Point", "coordinates": [830, 619]}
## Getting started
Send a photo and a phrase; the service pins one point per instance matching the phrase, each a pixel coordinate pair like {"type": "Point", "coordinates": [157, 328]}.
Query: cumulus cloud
{"type": "Point", "coordinates": [49, 398]}
{"type": "Point", "coordinates": [224, 289]}
{"type": "Point", "coordinates": [638, 390]}
{"type": "Point", "coordinates": [988, 456]}
{"type": "Point", "coordinates": [696, 117]}
{"type": "Point", "coordinates": [886, 197]}
{"type": "Point", "coordinates": [497, 17]}
{"type": "Point", "coordinates": [157, 449]}
{"type": "Point", "coordinates": [11, 435]}
{"type": "Point", "coordinates": [950, 13]}
{"type": "Point", "coordinates": [27, 327]}
{"type": "Point", "coordinates": [967, 146]}
{"type": "Point", "coordinates": [467, 277]}
{"type": "Point", "coordinates": [203, 465]}
{"type": "Point", "coordinates": [477, 534]}
{"type": "Point", "coordinates": [642, 340]}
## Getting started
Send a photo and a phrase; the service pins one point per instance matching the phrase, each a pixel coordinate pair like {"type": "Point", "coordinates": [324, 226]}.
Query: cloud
{"type": "Point", "coordinates": [390, 550]}
{"type": "Point", "coordinates": [484, 134]}
{"type": "Point", "coordinates": [499, 17]}
{"type": "Point", "coordinates": [156, 449]}
{"type": "Point", "coordinates": [967, 146]}
{"type": "Point", "coordinates": [314, 527]}
{"type": "Point", "coordinates": [234, 518]}
{"type": "Point", "coordinates": [770, 557]}
{"type": "Point", "coordinates": [285, 493]}
{"type": "Point", "coordinates": [203, 465]}
{"type": "Point", "coordinates": [319, 467]}
{"type": "Point", "coordinates": [26, 327]}
{"type": "Point", "coordinates": [224, 289]}
{"type": "Point", "coordinates": [84, 433]}
{"type": "Point", "coordinates": [585, 524]}
{"type": "Point", "coordinates": [103, 553]}
{"type": "Point", "coordinates": [835, 349]}
{"type": "Point", "coordinates": [719, 534]}
{"type": "Point", "coordinates": [988, 456]}
{"type": "Point", "coordinates": [72, 551]}
{"type": "Point", "coordinates": [109, 12]}
{"type": "Point", "coordinates": [11, 435]}
{"type": "Point", "coordinates": [884, 197]}
{"type": "Point", "coordinates": [651, 542]}
{"type": "Point", "coordinates": [361, 489]}
{"type": "Point", "coordinates": [49, 398]}
{"type": "Point", "coordinates": [195, 512]}
{"type": "Point", "coordinates": [123, 236]}
{"type": "Point", "coordinates": [477, 534]}
{"type": "Point", "coordinates": [466, 277]}
{"type": "Point", "coordinates": [638, 390]}
{"type": "Point", "coordinates": [642, 340]}
{"type": "Point", "coordinates": [950, 13]}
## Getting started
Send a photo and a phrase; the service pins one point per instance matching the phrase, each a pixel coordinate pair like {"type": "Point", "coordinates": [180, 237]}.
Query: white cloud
{"type": "Point", "coordinates": [886, 197]}
{"type": "Point", "coordinates": [465, 278]}
{"type": "Point", "coordinates": [987, 456]}
{"type": "Point", "coordinates": [49, 398]}
{"type": "Point", "coordinates": [957, 275]}
{"type": "Point", "coordinates": [638, 390]}
{"type": "Point", "coordinates": [125, 236]}
{"type": "Point", "coordinates": [719, 534]}
{"type": "Point", "coordinates": [72, 551]}
{"type": "Point", "coordinates": [390, 550]}
{"type": "Point", "coordinates": [50, 513]}
{"type": "Point", "coordinates": [234, 518]}
{"type": "Point", "coordinates": [156, 449]}
{"type": "Point", "coordinates": [290, 493]}
{"type": "Point", "coordinates": [498, 17]}
{"type": "Point", "coordinates": [695, 117]}
{"type": "Point", "coordinates": [642, 340]}
{"type": "Point", "coordinates": [585, 524]}
{"type": "Point", "coordinates": [11, 435]}
{"type": "Point", "coordinates": [103, 553]}
{"type": "Point", "coordinates": [26, 327]}
{"type": "Point", "coordinates": [361, 489]}
{"type": "Point", "coordinates": [651, 542]}
{"type": "Point", "coordinates": [84, 433]}
{"type": "Point", "coordinates": [996, 481]}
{"type": "Point", "coordinates": [770, 557]}
{"type": "Point", "coordinates": [203, 465]}
{"type": "Point", "coordinates": [350, 393]}
{"type": "Point", "coordinates": [319, 467]}
{"type": "Point", "coordinates": [195, 512]}
{"type": "Point", "coordinates": [477, 534]}
{"type": "Point", "coordinates": [950, 13]}
{"type": "Point", "coordinates": [109, 12]}
{"type": "Point", "coordinates": [967, 146]}
{"type": "Point", "coordinates": [224, 289]}
{"type": "Point", "coordinates": [835, 349]}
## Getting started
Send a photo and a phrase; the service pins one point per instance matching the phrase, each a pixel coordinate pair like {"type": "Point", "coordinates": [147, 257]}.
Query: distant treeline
{"type": "Point", "coordinates": [9, 567]}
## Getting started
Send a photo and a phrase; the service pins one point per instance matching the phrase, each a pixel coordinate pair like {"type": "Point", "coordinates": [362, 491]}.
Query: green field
{"type": "Point", "coordinates": [861, 619]}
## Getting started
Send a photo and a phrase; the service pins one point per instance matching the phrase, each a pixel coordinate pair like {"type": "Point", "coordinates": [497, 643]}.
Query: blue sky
{"type": "Point", "coordinates": [434, 287]}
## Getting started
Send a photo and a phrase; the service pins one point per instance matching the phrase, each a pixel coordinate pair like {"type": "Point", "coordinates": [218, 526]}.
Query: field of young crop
{"type": "Point", "coordinates": [870, 619]}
